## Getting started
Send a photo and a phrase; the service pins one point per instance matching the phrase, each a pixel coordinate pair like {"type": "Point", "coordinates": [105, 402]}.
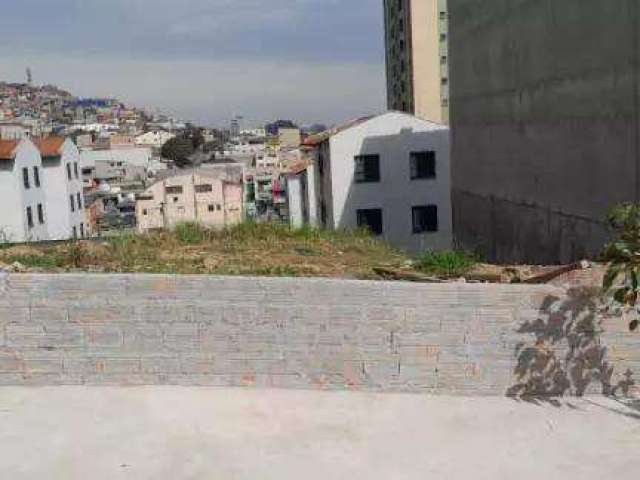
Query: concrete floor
{"type": "Point", "coordinates": [197, 433]}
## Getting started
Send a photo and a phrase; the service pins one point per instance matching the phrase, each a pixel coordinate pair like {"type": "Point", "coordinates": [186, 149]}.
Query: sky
{"type": "Point", "coordinates": [205, 60]}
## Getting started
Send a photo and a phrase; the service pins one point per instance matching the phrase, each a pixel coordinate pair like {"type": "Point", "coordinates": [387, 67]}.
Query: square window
{"type": "Point", "coordinates": [40, 214]}
{"type": "Point", "coordinates": [36, 177]}
{"type": "Point", "coordinates": [175, 199]}
{"type": "Point", "coordinates": [218, 207]}
{"type": "Point", "coordinates": [371, 219]}
{"type": "Point", "coordinates": [211, 208]}
{"type": "Point", "coordinates": [423, 165]}
{"type": "Point", "coordinates": [425, 219]}
{"type": "Point", "coordinates": [25, 178]}
{"type": "Point", "coordinates": [367, 168]}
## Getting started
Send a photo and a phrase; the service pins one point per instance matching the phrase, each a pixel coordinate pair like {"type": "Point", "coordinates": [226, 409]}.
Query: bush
{"type": "Point", "coordinates": [191, 233]}
{"type": "Point", "coordinates": [446, 264]}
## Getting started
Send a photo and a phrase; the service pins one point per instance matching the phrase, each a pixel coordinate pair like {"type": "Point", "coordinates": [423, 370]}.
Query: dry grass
{"type": "Point", "coordinates": [247, 249]}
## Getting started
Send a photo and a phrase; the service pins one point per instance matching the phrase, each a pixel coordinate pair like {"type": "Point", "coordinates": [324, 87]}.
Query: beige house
{"type": "Point", "coordinates": [289, 137]}
{"type": "Point", "coordinates": [204, 195]}
{"type": "Point", "coordinates": [417, 41]}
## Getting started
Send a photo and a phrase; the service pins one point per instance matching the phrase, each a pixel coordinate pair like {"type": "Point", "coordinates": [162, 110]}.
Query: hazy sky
{"type": "Point", "coordinates": [205, 60]}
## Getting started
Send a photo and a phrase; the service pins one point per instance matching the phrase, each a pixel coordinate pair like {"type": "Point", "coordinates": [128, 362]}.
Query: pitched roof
{"type": "Point", "coordinates": [50, 146]}
{"type": "Point", "coordinates": [315, 140]}
{"type": "Point", "coordinates": [8, 149]}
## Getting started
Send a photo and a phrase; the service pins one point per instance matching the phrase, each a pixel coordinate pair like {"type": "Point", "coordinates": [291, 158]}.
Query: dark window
{"type": "Point", "coordinates": [40, 214]}
{"type": "Point", "coordinates": [36, 177]}
{"type": "Point", "coordinates": [29, 217]}
{"type": "Point", "coordinates": [204, 188]}
{"type": "Point", "coordinates": [82, 230]}
{"type": "Point", "coordinates": [176, 189]}
{"type": "Point", "coordinates": [425, 219]}
{"type": "Point", "coordinates": [212, 208]}
{"type": "Point", "coordinates": [371, 219]}
{"type": "Point", "coordinates": [25, 177]}
{"type": "Point", "coordinates": [86, 171]}
{"type": "Point", "coordinates": [175, 199]}
{"type": "Point", "coordinates": [79, 201]}
{"type": "Point", "coordinates": [75, 170]}
{"type": "Point", "coordinates": [423, 165]}
{"type": "Point", "coordinates": [367, 168]}
{"type": "Point", "coordinates": [75, 232]}
{"type": "Point", "coordinates": [72, 203]}
{"type": "Point", "coordinates": [69, 171]}
{"type": "Point", "coordinates": [144, 211]}
{"type": "Point", "coordinates": [218, 207]}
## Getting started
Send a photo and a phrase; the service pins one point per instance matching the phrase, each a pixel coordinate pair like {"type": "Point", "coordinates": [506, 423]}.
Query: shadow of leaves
{"type": "Point", "coordinates": [566, 356]}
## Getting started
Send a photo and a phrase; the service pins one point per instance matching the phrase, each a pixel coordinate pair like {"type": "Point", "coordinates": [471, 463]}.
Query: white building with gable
{"type": "Point", "coordinates": [23, 217]}
{"type": "Point", "coordinates": [390, 173]}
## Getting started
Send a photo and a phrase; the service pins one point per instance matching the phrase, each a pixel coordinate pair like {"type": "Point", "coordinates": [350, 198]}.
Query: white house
{"type": "Point", "coordinates": [23, 217]}
{"type": "Point", "coordinates": [155, 139]}
{"type": "Point", "coordinates": [389, 173]}
{"type": "Point", "coordinates": [63, 188]}
{"type": "Point", "coordinates": [138, 159]}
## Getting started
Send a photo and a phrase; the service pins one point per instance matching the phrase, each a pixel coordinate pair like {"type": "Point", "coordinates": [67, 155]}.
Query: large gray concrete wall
{"type": "Point", "coordinates": [297, 333]}
{"type": "Point", "coordinates": [544, 116]}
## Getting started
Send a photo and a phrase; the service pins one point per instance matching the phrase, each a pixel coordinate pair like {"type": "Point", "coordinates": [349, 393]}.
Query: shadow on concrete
{"type": "Point", "coordinates": [566, 357]}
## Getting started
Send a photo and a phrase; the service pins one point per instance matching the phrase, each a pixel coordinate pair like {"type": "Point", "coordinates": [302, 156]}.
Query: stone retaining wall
{"type": "Point", "coordinates": [294, 333]}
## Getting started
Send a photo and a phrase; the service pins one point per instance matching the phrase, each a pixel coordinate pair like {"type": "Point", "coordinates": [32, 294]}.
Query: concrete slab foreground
{"type": "Point", "coordinates": [201, 433]}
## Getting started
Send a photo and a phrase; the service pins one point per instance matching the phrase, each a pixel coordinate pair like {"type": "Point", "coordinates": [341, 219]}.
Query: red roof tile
{"type": "Point", "coordinates": [50, 146]}
{"type": "Point", "coordinates": [8, 149]}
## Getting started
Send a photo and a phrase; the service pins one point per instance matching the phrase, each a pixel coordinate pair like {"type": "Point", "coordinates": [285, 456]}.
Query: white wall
{"type": "Point", "coordinates": [59, 188]}
{"type": "Point", "coordinates": [295, 200]}
{"type": "Point", "coordinates": [14, 198]}
{"type": "Point", "coordinates": [393, 136]}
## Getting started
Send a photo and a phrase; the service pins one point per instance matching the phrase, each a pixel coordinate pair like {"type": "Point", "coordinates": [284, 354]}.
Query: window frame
{"type": "Point", "coordinates": [36, 176]}
{"type": "Point", "coordinates": [426, 227]}
{"type": "Point", "coordinates": [30, 223]}
{"type": "Point", "coordinates": [431, 169]}
{"type": "Point", "coordinates": [364, 213]}
{"type": "Point", "coordinates": [360, 175]}
{"type": "Point", "coordinates": [40, 212]}
{"type": "Point", "coordinates": [25, 178]}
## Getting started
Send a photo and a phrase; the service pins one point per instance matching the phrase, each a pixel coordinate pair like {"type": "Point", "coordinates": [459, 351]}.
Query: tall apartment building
{"type": "Point", "coordinates": [417, 56]}
{"type": "Point", "coordinates": [545, 117]}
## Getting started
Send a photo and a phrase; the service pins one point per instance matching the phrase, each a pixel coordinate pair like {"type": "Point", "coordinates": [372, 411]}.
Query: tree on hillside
{"type": "Point", "coordinates": [178, 150]}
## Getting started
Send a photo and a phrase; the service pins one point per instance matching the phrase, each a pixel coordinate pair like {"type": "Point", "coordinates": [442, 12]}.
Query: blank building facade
{"type": "Point", "coordinates": [545, 121]}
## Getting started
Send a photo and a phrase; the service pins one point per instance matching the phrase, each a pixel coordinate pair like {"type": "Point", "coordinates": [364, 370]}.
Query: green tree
{"type": "Point", "coordinates": [622, 279]}
{"type": "Point", "coordinates": [178, 150]}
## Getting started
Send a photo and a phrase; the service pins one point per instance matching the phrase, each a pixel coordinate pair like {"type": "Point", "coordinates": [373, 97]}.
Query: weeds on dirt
{"type": "Point", "coordinates": [447, 264]}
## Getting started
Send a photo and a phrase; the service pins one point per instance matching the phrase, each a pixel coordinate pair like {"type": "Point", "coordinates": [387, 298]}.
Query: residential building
{"type": "Point", "coordinates": [154, 139]}
{"type": "Point", "coordinates": [289, 137]}
{"type": "Point", "coordinates": [545, 121]}
{"type": "Point", "coordinates": [208, 195]}
{"type": "Point", "coordinates": [389, 173]}
{"type": "Point", "coordinates": [24, 215]}
{"type": "Point", "coordinates": [416, 33]}
{"type": "Point", "coordinates": [63, 188]}
{"type": "Point", "coordinates": [125, 165]}
{"type": "Point", "coordinates": [14, 131]}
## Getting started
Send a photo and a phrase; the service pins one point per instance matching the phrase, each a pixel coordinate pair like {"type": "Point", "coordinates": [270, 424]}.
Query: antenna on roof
{"type": "Point", "coordinates": [29, 76]}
